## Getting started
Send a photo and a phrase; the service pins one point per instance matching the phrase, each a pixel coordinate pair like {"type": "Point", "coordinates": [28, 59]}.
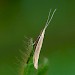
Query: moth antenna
{"type": "Point", "coordinates": [50, 19]}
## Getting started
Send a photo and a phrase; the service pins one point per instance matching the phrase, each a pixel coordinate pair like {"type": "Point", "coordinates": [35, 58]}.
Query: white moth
{"type": "Point", "coordinates": [38, 43]}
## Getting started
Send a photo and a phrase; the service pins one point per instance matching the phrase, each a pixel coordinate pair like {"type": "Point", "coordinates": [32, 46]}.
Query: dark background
{"type": "Point", "coordinates": [19, 18]}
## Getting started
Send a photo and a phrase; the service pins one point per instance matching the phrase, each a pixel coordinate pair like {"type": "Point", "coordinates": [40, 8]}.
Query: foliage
{"type": "Point", "coordinates": [26, 66]}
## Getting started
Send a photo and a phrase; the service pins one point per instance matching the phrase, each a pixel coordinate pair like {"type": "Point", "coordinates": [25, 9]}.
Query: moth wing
{"type": "Point", "coordinates": [37, 50]}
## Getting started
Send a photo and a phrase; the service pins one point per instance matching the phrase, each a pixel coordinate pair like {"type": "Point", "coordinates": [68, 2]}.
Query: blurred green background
{"type": "Point", "coordinates": [19, 18]}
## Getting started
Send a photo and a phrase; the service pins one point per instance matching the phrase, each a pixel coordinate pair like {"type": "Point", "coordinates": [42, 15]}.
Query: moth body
{"type": "Point", "coordinates": [38, 43]}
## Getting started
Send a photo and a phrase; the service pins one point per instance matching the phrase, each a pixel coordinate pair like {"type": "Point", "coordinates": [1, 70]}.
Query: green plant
{"type": "Point", "coordinates": [30, 58]}
{"type": "Point", "coordinates": [26, 66]}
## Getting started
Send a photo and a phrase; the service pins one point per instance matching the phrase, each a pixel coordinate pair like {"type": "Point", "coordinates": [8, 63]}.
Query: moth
{"type": "Point", "coordinates": [38, 43]}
